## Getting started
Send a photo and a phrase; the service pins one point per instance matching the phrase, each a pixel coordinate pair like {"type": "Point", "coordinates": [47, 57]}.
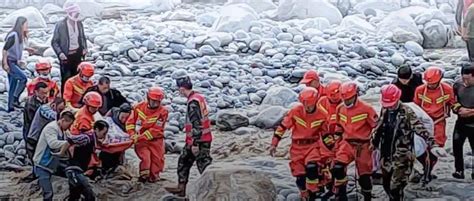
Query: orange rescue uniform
{"type": "Point", "coordinates": [150, 142]}
{"type": "Point", "coordinates": [52, 87]}
{"type": "Point", "coordinates": [437, 103]}
{"type": "Point", "coordinates": [74, 89]}
{"type": "Point", "coordinates": [305, 129]}
{"type": "Point", "coordinates": [357, 122]}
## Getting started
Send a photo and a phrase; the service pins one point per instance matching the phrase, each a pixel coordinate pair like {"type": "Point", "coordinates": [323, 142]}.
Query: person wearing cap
{"type": "Point", "coordinates": [464, 127]}
{"type": "Point", "coordinates": [43, 69]}
{"type": "Point", "coordinates": [76, 86]}
{"type": "Point", "coordinates": [311, 79]}
{"type": "Point", "coordinates": [149, 140]}
{"type": "Point", "coordinates": [198, 136]}
{"type": "Point", "coordinates": [357, 119]}
{"type": "Point", "coordinates": [111, 97]}
{"type": "Point", "coordinates": [394, 136]}
{"type": "Point", "coordinates": [407, 82]}
{"type": "Point", "coordinates": [69, 42]}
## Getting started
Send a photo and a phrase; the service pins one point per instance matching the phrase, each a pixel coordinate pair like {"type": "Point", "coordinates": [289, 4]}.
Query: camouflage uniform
{"type": "Point", "coordinates": [187, 158]}
{"type": "Point", "coordinates": [394, 136]}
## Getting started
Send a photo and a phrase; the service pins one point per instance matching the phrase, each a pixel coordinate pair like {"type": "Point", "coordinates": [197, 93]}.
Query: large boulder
{"type": "Point", "coordinates": [270, 117]}
{"type": "Point", "coordinates": [49, 9]}
{"type": "Point", "coordinates": [435, 34]}
{"type": "Point", "coordinates": [232, 183]}
{"type": "Point", "coordinates": [354, 22]}
{"type": "Point", "coordinates": [400, 28]}
{"type": "Point", "coordinates": [235, 17]}
{"type": "Point", "coordinates": [228, 120]}
{"type": "Point", "coordinates": [257, 5]}
{"type": "Point", "coordinates": [384, 5]}
{"type": "Point", "coordinates": [35, 19]}
{"type": "Point", "coordinates": [280, 96]}
{"type": "Point", "coordinates": [297, 9]}
{"type": "Point", "coordinates": [89, 8]}
{"type": "Point", "coordinates": [318, 23]}
{"type": "Point", "coordinates": [162, 5]}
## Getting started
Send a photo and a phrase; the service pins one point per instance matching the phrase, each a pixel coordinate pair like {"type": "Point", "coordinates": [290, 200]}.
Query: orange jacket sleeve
{"type": "Point", "coordinates": [68, 92]}
{"type": "Point", "coordinates": [285, 125]}
{"type": "Point", "coordinates": [417, 99]}
{"type": "Point", "coordinates": [156, 131]}
{"type": "Point", "coordinates": [372, 117]}
{"type": "Point", "coordinates": [56, 89]}
{"type": "Point", "coordinates": [30, 88]}
{"type": "Point", "coordinates": [131, 121]}
{"type": "Point", "coordinates": [452, 102]}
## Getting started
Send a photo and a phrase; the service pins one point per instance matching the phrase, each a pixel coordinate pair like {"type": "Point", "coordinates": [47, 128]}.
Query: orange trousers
{"type": "Point", "coordinates": [152, 158]}
{"type": "Point", "coordinates": [346, 153]}
{"type": "Point", "coordinates": [440, 133]}
{"type": "Point", "coordinates": [300, 155]}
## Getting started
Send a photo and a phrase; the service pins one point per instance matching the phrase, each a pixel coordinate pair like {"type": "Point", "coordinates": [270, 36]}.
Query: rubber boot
{"type": "Point", "coordinates": [180, 190]}
{"type": "Point", "coordinates": [341, 193]}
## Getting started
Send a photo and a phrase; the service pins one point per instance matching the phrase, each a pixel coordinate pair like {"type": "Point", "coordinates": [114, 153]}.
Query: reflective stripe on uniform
{"type": "Point", "coordinates": [78, 89]}
{"type": "Point", "coordinates": [333, 117]}
{"type": "Point", "coordinates": [300, 121]}
{"type": "Point", "coordinates": [424, 98]}
{"type": "Point", "coordinates": [130, 127]}
{"type": "Point", "coordinates": [148, 135]}
{"type": "Point", "coordinates": [322, 108]}
{"type": "Point", "coordinates": [316, 123]}
{"type": "Point", "coordinates": [339, 182]}
{"type": "Point", "coordinates": [358, 118]}
{"type": "Point", "coordinates": [456, 106]}
{"type": "Point", "coordinates": [279, 133]}
{"type": "Point", "coordinates": [343, 117]}
{"type": "Point", "coordinates": [442, 99]}
{"type": "Point", "coordinates": [312, 181]}
{"type": "Point", "coordinates": [141, 114]}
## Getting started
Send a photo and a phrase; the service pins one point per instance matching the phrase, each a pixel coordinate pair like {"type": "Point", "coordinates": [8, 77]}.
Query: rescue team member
{"type": "Point", "coordinates": [43, 69]}
{"type": "Point", "coordinates": [84, 125]}
{"type": "Point", "coordinates": [357, 119]}
{"type": "Point", "coordinates": [311, 79]}
{"type": "Point", "coordinates": [306, 123]}
{"type": "Point", "coordinates": [464, 127]}
{"type": "Point", "coordinates": [110, 97]}
{"type": "Point", "coordinates": [69, 42]}
{"type": "Point", "coordinates": [198, 136]}
{"type": "Point", "coordinates": [150, 147]}
{"type": "Point", "coordinates": [39, 98]}
{"type": "Point", "coordinates": [76, 86]}
{"type": "Point", "coordinates": [407, 82]}
{"type": "Point", "coordinates": [436, 98]}
{"type": "Point", "coordinates": [394, 137]}
{"type": "Point", "coordinates": [328, 141]}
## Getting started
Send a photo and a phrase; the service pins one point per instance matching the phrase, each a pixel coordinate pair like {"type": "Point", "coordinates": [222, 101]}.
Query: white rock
{"type": "Point", "coordinates": [280, 96]}
{"type": "Point", "coordinates": [104, 40]}
{"type": "Point", "coordinates": [285, 36]}
{"type": "Point", "coordinates": [49, 53]}
{"type": "Point", "coordinates": [89, 8]}
{"type": "Point", "coordinates": [235, 17]}
{"type": "Point", "coordinates": [435, 34]}
{"type": "Point", "coordinates": [33, 15]}
{"type": "Point", "coordinates": [207, 19]}
{"type": "Point", "coordinates": [270, 117]}
{"type": "Point", "coordinates": [330, 46]}
{"type": "Point", "coordinates": [400, 27]}
{"type": "Point", "coordinates": [257, 72]}
{"type": "Point", "coordinates": [384, 5]}
{"type": "Point", "coordinates": [180, 15]}
{"type": "Point", "coordinates": [298, 39]}
{"type": "Point", "coordinates": [318, 23]}
{"type": "Point", "coordinates": [51, 9]}
{"type": "Point", "coordinates": [213, 42]}
{"type": "Point", "coordinates": [257, 5]}
{"type": "Point", "coordinates": [354, 22]}
{"type": "Point", "coordinates": [162, 5]}
{"type": "Point", "coordinates": [255, 45]}
{"type": "Point", "coordinates": [298, 9]}
{"type": "Point", "coordinates": [414, 47]}
{"type": "Point", "coordinates": [397, 59]}
{"type": "Point", "coordinates": [224, 38]}
{"type": "Point", "coordinates": [207, 50]}
{"type": "Point", "coordinates": [133, 55]}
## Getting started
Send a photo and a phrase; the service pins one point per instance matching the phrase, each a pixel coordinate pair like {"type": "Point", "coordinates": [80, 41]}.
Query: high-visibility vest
{"type": "Point", "coordinates": [206, 135]}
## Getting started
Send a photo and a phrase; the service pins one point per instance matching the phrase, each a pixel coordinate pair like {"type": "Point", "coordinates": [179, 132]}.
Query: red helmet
{"type": "Point", "coordinates": [156, 94]}
{"type": "Point", "coordinates": [309, 76]}
{"type": "Point", "coordinates": [390, 95]}
{"type": "Point", "coordinates": [348, 90]}
{"type": "Point", "coordinates": [93, 99]}
{"type": "Point", "coordinates": [86, 69]}
{"type": "Point", "coordinates": [334, 90]}
{"type": "Point", "coordinates": [308, 95]}
{"type": "Point", "coordinates": [433, 75]}
{"type": "Point", "coordinates": [42, 65]}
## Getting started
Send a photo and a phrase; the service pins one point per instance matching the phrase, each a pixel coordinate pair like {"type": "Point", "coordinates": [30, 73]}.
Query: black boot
{"type": "Point", "coordinates": [458, 175]}
{"type": "Point", "coordinates": [341, 193]}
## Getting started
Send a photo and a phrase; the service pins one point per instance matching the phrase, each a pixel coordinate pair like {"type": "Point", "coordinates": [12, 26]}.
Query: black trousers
{"type": "Point", "coordinates": [470, 48]}
{"type": "Point", "coordinates": [110, 161]}
{"type": "Point", "coordinates": [68, 68]}
{"type": "Point", "coordinates": [461, 132]}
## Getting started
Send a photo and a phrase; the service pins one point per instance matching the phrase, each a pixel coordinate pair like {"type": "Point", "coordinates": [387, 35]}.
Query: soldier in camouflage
{"type": "Point", "coordinates": [394, 137]}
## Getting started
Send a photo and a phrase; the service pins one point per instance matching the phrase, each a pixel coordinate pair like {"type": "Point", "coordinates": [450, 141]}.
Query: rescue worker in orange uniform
{"type": "Point", "coordinates": [76, 86]}
{"type": "Point", "coordinates": [306, 123]}
{"type": "Point", "coordinates": [436, 98]}
{"type": "Point", "coordinates": [83, 124]}
{"type": "Point", "coordinates": [43, 68]}
{"type": "Point", "coordinates": [328, 141]}
{"type": "Point", "coordinates": [311, 79]}
{"type": "Point", "coordinates": [357, 120]}
{"type": "Point", "coordinates": [149, 139]}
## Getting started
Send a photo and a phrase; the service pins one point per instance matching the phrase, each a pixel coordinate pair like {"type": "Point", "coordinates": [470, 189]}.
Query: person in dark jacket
{"type": "Point", "coordinates": [11, 56]}
{"type": "Point", "coordinates": [407, 81]}
{"type": "Point", "coordinates": [110, 97]}
{"type": "Point", "coordinates": [32, 104]}
{"type": "Point", "coordinates": [69, 43]}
